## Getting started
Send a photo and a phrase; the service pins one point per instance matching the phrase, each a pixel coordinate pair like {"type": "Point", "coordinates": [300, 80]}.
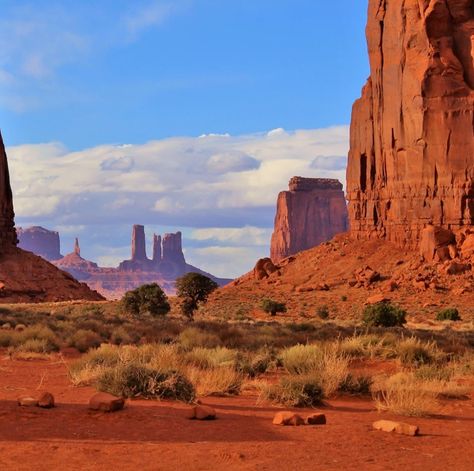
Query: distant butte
{"type": "Point", "coordinates": [311, 212]}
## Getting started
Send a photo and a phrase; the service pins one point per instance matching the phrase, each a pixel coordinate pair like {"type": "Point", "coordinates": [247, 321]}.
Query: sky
{"type": "Point", "coordinates": [183, 115]}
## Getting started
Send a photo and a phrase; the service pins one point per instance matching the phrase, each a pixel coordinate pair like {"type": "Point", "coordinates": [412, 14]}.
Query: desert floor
{"type": "Point", "coordinates": [150, 435]}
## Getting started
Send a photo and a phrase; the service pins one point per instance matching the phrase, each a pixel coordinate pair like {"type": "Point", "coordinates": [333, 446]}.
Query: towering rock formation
{"type": "Point", "coordinates": [40, 241]}
{"type": "Point", "coordinates": [311, 212]}
{"type": "Point", "coordinates": [8, 238]}
{"type": "Point", "coordinates": [138, 244]}
{"type": "Point", "coordinates": [156, 249]}
{"type": "Point", "coordinates": [411, 160]}
{"type": "Point", "coordinates": [173, 249]}
{"type": "Point", "coordinates": [25, 277]}
{"type": "Point", "coordinates": [77, 266]}
{"type": "Point", "coordinates": [77, 248]}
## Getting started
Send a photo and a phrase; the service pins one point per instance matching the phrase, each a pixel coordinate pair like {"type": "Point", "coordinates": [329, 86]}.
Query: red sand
{"type": "Point", "coordinates": [151, 435]}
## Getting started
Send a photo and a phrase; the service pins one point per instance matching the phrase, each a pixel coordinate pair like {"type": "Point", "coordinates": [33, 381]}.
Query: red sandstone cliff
{"type": "Point", "coordinates": [40, 241]}
{"type": "Point", "coordinates": [411, 160]}
{"type": "Point", "coordinates": [311, 212]}
{"type": "Point", "coordinates": [25, 277]}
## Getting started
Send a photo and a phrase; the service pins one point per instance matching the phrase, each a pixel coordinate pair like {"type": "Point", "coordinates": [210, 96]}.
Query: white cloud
{"type": "Point", "coordinates": [221, 191]}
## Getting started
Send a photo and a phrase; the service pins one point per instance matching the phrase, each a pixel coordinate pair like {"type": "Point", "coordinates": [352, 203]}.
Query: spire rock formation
{"type": "Point", "coordinates": [8, 237]}
{"type": "Point", "coordinates": [311, 212]}
{"type": "Point", "coordinates": [138, 244]}
{"type": "Point", "coordinates": [411, 159]}
{"type": "Point", "coordinates": [77, 249]}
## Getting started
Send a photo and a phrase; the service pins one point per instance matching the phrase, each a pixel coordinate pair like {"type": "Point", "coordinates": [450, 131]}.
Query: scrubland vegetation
{"type": "Point", "coordinates": [294, 364]}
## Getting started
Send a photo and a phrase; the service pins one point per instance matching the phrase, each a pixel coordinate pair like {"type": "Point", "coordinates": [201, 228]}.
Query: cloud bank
{"type": "Point", "coordinates": [220, 190]}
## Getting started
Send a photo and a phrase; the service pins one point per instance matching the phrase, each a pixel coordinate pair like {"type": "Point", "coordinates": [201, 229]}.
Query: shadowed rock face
{"type": "Point", "coordinates": [8, 238]}
{"type": "Point", "coordinates": [311, 212]}
{"type": "Point", "coordinates": [40, 241]}
{"type": "Point", "coordinates": [411, 160]}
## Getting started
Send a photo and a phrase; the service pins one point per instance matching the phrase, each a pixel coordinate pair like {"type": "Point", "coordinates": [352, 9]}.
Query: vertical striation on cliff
{"type": "Point", "coordinates": [8, 237]}
{"type": "Point", "coordinates": [138, 244]}
{"type": "Point", "coordinates": [311, 212]}
{"type": "Point", "coordinates": [411, 159]}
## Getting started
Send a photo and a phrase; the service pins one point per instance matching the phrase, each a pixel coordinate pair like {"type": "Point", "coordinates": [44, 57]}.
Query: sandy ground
{"type": "Point", "coordinates": [149, 435]}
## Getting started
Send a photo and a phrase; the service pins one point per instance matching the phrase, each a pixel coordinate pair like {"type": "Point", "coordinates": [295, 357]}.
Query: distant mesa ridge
{"type": "Point", "coordinates": [167, 262]}
{"type": "Point", "coordinates": [40, 241]}
{"type": "Point", "coordinates": [312, 211]}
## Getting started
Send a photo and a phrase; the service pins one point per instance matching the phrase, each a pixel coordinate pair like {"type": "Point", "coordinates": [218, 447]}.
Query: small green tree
{"type": "Point", "coordinates": [273, 307]}
{"type": "Point", "coordinates": [147, 299]}
{"type": "Point", "coordinates": [384, 315]}
{"type": "Point", "coordinates": [193, 289]}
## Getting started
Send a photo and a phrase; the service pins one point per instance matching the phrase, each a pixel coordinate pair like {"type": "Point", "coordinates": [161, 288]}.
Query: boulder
{"type": "Point", "coordinates": [316, 419]}
{"type": "Point", "coordinates": [288, 418]}
{"type": "Point", "coordinates": [377, 299]}
{"type": "Point", "coordinates": [437, 244]}
{"type": "Point", "coordinates": [365, 276]}
{"type": "Point", "coordinates": [27, 401]}
{"type": "Point", "coordinates": [201, 412]}
{"type": "Point", "coordinates": [106, 402]}
{"type": "Point", "coordinates": [46, 400]}
{"type": "Point", "coordinates": [397, 427]}
{"type": "Point", "coordinates": [264, 268]}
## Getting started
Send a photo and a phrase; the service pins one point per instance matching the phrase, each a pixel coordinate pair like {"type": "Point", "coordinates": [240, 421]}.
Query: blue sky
{"type": "Point", "coordinates": [80, 79]}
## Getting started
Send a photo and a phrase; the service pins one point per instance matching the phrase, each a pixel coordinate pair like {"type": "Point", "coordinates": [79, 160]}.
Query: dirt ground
{"type": "Point", "coordinates": [150, 435]}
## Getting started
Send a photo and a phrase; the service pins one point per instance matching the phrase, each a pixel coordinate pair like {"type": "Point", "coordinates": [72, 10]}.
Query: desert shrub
{"type": "Point", "coordinates": [136, 380]}
{"type": "Point", "coordinates": [193, 289]}
{"type": "Point", "coordinates": [217, 381]}
{"type": "Point", "coordinates": [343, 298]}
{"type": "Point", "coordinates": [449, 314]}
{"type": "Point", "coordinates": [434, 373]}
{"type": "Point", "coordinates": [147, 299]}
{"type": "Point", "coordinates": [85, 340]}
{"type": "Point", "coordinates": [35, 346]}
{"type": "Point", "coordinates": [405, 394]}
{"type": "Point", "coordinates": [7, 338]}
{"type": "Point", "coordinates": [301, 359]}
{"type": "Point", "coordinates": [332, 372]}
{"type": "Point", "coordinates": [356, 384]}
{"type": "Point", "coordinates": [294, 391]}
{"type": "Point", "coordinates": [383, 315]}
{"type": "Point", "coordinates": [252, 365]}
{"type": "Point", "coordinates": [413, 352]}
{"type": "Point", "coordinates": [120, 336]}
{"type": "Point", "coordinates": [323, 312]}
{"type": "Point", "coordinates": [40, 333]}
{"type": "Point", "coordinates": [193, 337]}
{"type": "Point", "coordinates": [212, 357]}
{"type": "Point", "coordinates": [273, 307]}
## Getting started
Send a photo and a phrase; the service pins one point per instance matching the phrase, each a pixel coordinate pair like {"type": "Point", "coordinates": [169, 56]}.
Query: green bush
{"type": "Point", "coordinates": [193, 289]}
{"type": "Point", "coordinates": [273, 307]}
{"type": "Point", "coordinates": [295, 391]}
{"type": "Point", "coordinates": [135, 380]}
{"type": "Point", "coordinates": [449, 314]}
{"type": "Point", "coordinates": [383, 315]}
{"type": "Point", "coordinates": [147, 299]}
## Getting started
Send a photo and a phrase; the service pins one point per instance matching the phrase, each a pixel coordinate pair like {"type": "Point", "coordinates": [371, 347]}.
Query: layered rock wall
{"type": "Point", "coordinates": [311, 212]}
{"type": "Point", "coordinates": [40, 241]}
{"type": "Point", "coordinates": [411, 160]}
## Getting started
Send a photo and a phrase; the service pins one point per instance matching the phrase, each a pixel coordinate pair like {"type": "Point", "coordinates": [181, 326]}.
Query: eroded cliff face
{"type": "Point", "coordinates": [8, 238]}
{"type": "Point", "coordinates": [311, 212]}
{"type": "Point", "coordinates": [40, 241]}
{"type": "Point", "coordinates": [411, 160]}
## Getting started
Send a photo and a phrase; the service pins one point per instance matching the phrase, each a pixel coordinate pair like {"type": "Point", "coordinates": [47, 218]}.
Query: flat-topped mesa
{"type": "Point", "coordinates": [411, 159]}
{"type": "Point", "coordinates": [310, 184]}
{"type": "Point", "coordinates": [8, 236]}
{"type": "Point", "coordinates": [40, 241]}
{"type": "Point", "coordinates": [312, 211]}
{"type": "Point", "coordinates": [173, 249]}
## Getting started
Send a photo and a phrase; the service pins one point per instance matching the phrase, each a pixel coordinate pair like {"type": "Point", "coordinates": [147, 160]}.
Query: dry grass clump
{"type": "Point", "coordinates": [413, 352]}
{"type": "Point", "coordinates": [193, 337]}
{"type": "Point", "coordinates": [301, 359]}
{"type": "Point", "coordinates": [216, 381]}
{"type": "Point", "coordinates": [212, 357]}
{"type": "Point", "coordinates": [368, 346]}
{"type": "Point", "coordinates": [294, 391]}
